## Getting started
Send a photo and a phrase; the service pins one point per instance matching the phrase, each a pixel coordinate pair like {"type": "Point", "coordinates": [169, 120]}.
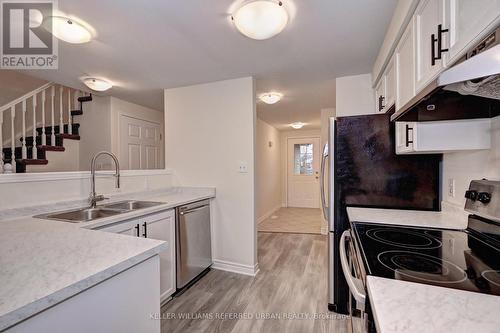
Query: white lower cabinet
{"type": "Point", "coordinates": [122, 303]}
{"type": "Point", "coordinates": [160, 226]}
{"type": "Point", "coordinates": [442, 136]}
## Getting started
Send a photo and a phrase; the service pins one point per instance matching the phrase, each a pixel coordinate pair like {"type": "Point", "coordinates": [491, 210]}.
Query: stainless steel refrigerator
{"type": "Point", "coordinates": [361, 169]}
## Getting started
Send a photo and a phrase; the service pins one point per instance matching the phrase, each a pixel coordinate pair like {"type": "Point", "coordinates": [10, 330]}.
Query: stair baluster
{"type": "Point", "coordinates": [44, 138]}
{"type": "Point", "coordinates": [61, 123]}
{"type": "Point", "coordinates": [52, 112]}
{"type": "Point", "coordinates": [24, 150]}
{"type": "Point", "coordinates": [34, 154]}
{"type": "Point", "coordinates": [70, 127]}
{"type": "Point", "coordinates": [13, 137]}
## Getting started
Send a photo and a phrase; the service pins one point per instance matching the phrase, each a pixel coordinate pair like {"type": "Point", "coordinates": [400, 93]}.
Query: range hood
{"type": "Point", "coordinates": [470, 89]}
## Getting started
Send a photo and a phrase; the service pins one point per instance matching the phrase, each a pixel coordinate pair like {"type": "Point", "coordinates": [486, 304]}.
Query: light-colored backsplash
{"type": "Point", "coordinates": [466, 166]}
{"type": "Point", "coordinates": [33, 193]}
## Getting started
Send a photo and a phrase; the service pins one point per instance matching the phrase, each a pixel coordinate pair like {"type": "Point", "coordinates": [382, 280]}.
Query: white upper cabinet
{"type": "Point", "coordinates": [390, 85]}
{"type": "Point", "coordinates": [468, 20]}
{"type": "Point", "coordinates": [405, 67]}
{"type": "Point", "coordinates": [385, 91]}
{"type": "Point", "coordinates": [431, 35]}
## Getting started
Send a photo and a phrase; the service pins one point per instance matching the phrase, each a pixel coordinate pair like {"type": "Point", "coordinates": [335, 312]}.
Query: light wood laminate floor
{"type": "Point", "coordinates": [294, 220]}
{"type": "Point", "coordinates": [292, 280]}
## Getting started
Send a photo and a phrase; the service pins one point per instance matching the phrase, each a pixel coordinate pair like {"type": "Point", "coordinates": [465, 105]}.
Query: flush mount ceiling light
{"type": "Point", "coordinates": [70, 30]}
{"type": "Point", "coordinates": [297, 125]}
{"type": "Point", "coordinates": [261, 19]}
{"type": "Point", "coordinates": [97, 84]}
{"type": "Point", "coordinates": [271, 97]}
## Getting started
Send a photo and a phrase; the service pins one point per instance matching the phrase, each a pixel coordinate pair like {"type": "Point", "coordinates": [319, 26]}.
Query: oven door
{"type": "Point", "coordinates": [357, 290]}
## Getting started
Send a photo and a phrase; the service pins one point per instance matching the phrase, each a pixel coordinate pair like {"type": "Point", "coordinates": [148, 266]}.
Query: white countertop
{"type": "Point", "coordinates": [44, 262]}
{"type": "Point", "coordinates": [449, 218]}
{"type": "Point", "coordinates": [401, 306]}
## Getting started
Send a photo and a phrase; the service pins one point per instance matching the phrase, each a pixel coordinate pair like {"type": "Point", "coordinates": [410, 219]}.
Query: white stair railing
{"type": "Point", "coordinates": [52, 113]}
{"type": "Point", "coordinates": [24, 150]}
{"type": "Point", "coordinates": [37, 98]}
{"type": "Point", "coordinates": [70, 127]}
{"type": "Point", "coordinates": [34, 154]}
{"type": "Point", "coordinates": [13, 137]}
{"type": "Point", "coordinates": [44, 137]}
{"type": "Point", "coordinates": [61, 112]}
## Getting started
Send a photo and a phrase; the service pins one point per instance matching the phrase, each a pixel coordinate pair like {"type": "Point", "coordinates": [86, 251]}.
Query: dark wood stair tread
{"type": "Point", "coordinates": [33, 162]}
{"type": "Point", "coordinates": [68, 136]}
{"type": "Point", "coordinates": [87, 98]}
{"type": "Point", "coordinates": [51, 148]}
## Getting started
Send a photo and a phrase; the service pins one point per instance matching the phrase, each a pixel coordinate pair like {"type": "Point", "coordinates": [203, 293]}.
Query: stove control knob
{"type": "Point", "coordinates": [471, 194]}
{"type": "Point", "coordinates": [484, 197]}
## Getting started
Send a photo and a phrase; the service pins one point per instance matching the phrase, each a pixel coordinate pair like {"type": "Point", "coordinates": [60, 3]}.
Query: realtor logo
{"type": "Point", "coordinates": [26, 31]}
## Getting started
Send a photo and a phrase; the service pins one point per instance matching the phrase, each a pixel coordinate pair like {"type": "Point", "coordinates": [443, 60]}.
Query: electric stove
{"type": "Point", "coordinates": [460, 259]}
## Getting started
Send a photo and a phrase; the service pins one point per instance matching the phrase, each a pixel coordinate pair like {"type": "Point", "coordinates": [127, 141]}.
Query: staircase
{"type": "Point", "coordinates": [51, 110]}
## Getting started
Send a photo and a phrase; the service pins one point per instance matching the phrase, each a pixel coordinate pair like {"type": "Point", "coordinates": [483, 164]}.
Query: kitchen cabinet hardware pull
{"type": "Point", "coordinates": [137, 229]}
{"type": "Point", "coordinates": [441, 31]}
{"type": "Point", "coordinates": [408, 141]}
{"type": "Point", "coordinates": [381, 103]}
{"type": "Point", "coordinates": [439, 41]}
{"type": "Point", "coordinates": [433, 49]}
{"type": "Point", "coordinates": [145, 234]}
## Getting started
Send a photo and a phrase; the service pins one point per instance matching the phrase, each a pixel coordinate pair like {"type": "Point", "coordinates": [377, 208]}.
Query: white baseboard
{"type": "Point", "coordinates": [268, 214]}
{"type": "Point", "coordinates": [233, 267]}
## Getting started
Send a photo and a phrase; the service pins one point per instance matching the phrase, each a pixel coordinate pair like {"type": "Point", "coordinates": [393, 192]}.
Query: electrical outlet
{"type": "Point", "coordinates": [243, 168]}
{"type": "Point", "coordinates": [451, 187]}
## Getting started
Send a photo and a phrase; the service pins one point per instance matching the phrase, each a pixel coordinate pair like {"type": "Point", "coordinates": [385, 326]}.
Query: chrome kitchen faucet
{"type": "Point", "coordinates": [94, 198]}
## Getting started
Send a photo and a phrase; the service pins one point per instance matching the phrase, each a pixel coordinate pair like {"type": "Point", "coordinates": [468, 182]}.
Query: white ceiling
{"type": "Point", "coordinates": [144, 46]}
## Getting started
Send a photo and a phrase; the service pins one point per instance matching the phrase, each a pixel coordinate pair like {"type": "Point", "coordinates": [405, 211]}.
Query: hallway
{"type": "Point", "coordinates": [293, 220]}
{"type": "Point", "coordinates": [292, 281]}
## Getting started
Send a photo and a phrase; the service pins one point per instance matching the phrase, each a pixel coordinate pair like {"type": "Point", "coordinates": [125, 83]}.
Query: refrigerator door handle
{"type": "Point", "coordinates": [356, 286]}
{"type": "Point", "coordinates": [322, 184]}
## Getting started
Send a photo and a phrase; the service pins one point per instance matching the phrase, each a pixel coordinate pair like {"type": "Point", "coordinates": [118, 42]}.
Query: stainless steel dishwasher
{"type": "Point", "coordinates": [193, 241]}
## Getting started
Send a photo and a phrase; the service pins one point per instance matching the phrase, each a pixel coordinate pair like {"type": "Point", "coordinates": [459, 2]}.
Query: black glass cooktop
{"type": "Point", "coordinates": [447, 258]}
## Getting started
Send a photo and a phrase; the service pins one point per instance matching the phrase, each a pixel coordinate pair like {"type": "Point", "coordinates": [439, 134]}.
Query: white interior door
{"type": "Point", "coordinates": [303, 172]}
{"type": "Point", "coordinates": [140, 144]}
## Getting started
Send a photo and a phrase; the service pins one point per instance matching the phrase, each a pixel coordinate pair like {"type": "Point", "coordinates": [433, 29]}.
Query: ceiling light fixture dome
{"type": "Point", "coordinates": [97, 84]}
{"type": "Point", "coordinates": [261, 19]}
{"type": "Point", "coordinates": [297, 125]}
{"type": "Point", "coordinates": [271, 97]}
{"type": "Point", "coordinates": [69, 30]}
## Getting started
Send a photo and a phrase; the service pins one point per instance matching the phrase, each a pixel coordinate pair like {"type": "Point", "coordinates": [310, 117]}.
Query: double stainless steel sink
{"type": "Point", "coordinates": [102, 211]}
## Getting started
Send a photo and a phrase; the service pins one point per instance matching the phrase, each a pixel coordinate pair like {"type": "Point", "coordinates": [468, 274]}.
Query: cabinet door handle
{"type": "Point", "coordinates": [439, 41]}
{"type": "Point", "coordinates": [441, 31]}
{"type": "Point", "coordinates": [433, 50]}
{"type": "Point", "coordinates": [145, 234]}
{"type": "Point", "coordinates": [137, 229]}
{"type": "Point", "coordinates": [408, 141]}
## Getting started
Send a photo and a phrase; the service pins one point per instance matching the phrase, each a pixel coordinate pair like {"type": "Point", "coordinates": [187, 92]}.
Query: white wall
{"type": "Point", "coordinates": [209, 131]}
{"type": "Point", "coordinates": [95, 131]}
{"type": "Point", "coordinates": [355, 95]}
{"type": "Point", "coordinates": [268, 170]}
{"type": "Point", "coordinates": [285, 135]}
{"type": "Point", "coordinates": [466, 166]}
